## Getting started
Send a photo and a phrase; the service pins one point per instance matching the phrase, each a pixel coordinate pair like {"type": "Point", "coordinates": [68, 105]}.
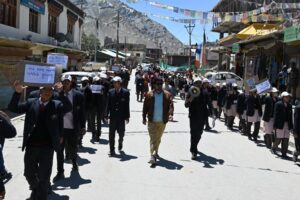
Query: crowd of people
{"type": "Point", "coordinates": [58, 117]}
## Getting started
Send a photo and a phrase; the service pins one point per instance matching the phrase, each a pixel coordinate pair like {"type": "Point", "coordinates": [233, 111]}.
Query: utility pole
{"type": "Point", "coordinates": [96, 43]}
{"type": "Point", "coordinates": [190, 29]}
{"type": "Point", "coordinates": [118, 26]}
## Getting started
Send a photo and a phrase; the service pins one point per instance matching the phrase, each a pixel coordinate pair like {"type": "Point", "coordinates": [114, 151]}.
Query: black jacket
{"type": "Point", "coordinates": [252, 102]}
{"type": "Point", "coordinates": [31, 107]}
{"type": "Point", "coordinates": [214, 94]}
{"type": "Point", "coordinates": [118, 104]}
{"type": "Point", "coordinates": [222, 96]}
{"type": "Point", "coordinates": [297, 120]}
{"type": "Point", "coordinates": [241, 103]}
{"type": "Point", "coordinates": [199, 107]}
{"type": "Point", "coordinates": [7, 130]}
{"type": "Point", "coordinates": [78, 111]}
{"type": "Point", "coordinates": [230, 100]}
{"type": "Point", "coordinates": [280, 112]}
{"type": "Point", "coordinates": [269, 108]}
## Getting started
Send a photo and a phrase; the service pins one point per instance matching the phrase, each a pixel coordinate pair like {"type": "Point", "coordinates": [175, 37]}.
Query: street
{"type": "Point", "coordinates": [230, 167]}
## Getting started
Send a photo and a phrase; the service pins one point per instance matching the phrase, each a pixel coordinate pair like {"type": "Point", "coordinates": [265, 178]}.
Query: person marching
{"type": "Point", "coordinates": [221, 101]}
{"type": "Point", "coordinates": [157, 107]}
{"type": "Point", "coordinates": [283, 123]}
{"type": "Point", "coordinates": [231, 105]}
{"type": "Point", "coordinates": [43, 128]}
{"type": "Point", "coordinates": [214, 98]}
{"type": "Point", "coordinates": [241, 110]}
{"type": "Point", "coordinates": [198, 113]}
{"type": "Point", "coordinates": [73, 125]}
{"type": "Point", "coordinates": [118, 112]}
{"type": "Point", "coordinates": [296, 131]}
{"type": "Point", "coordinates": [140, 87]}
{"type": "Point", "coordinates": [268, 116]}
{"type": "Point", "coordinates": [254, 113]}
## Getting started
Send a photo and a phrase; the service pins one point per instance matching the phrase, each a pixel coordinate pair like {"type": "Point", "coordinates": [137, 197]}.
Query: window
{"type": "Point", "coordinates": [8, 12]}
{"type": "Point", "coordinates": [70, 27]}
{"type": "Point", "coordinates": [33, 21]}
{"type": "Point", "coordinates": [52, 25]}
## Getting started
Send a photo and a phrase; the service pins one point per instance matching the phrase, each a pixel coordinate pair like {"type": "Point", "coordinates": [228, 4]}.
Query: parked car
{"type": "Point", "coordinates": [221, 77]}
{"type": "Point", "coordinates": [94, 66]}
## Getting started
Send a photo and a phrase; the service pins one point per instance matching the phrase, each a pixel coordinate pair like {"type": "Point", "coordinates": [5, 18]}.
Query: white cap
{"type": "Point", "coordinates": [84, 79]}
{"type": "Point", "coordinates": [218, 85]}
{"type": "Point", "coordinates": [102, 75]}
{"type": "Point", "coordinates": [234, 85]}
{"type": "Point", "coordinates": [274, 89]}
{"type": "Point", "coordinates": [96, 78]}
{"type": "Point", "coordinates": [66, 77]}
{"type": "Point", "coordinates": [117, 79]}
{"type": "Point", "coordinates": [285, 94]}
{"type": "Point", "coordinates": [198, 79]}
{"type": "Point", "coordinates": [205, 80]}
{"type": "Point", "coordinates": [224, 84]}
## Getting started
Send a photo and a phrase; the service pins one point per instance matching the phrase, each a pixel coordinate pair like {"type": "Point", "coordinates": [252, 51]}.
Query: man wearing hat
{"type": "Point", "coordinates": [268, 116]}
{"type": "Point", "coordinates": [158, 108]}
{"type": "Point", "coordinates": [118, 113]}
{"type": "Point", "coordinates": [206, 89]}
{"type": "Point", "coordinates": [221, 101]}
{"type": "Point", "coordinates": [241, 111]}
{"type": "Point", "coordinates": [43, 128]}
{"type": "Point", "coordinates": [198, 113]}
{"type": "Point", "coordinates": [254, 113]}
{"type": "Point", "coordinates": [214, 98]}
{"type": "Point", "coordinates": [73, 125]}
{"type": "Point", "coordinates": [283, 123]}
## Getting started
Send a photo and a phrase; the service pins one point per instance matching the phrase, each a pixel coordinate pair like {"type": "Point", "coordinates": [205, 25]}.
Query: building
{"type": "Point", "coordinates": [30, 29]}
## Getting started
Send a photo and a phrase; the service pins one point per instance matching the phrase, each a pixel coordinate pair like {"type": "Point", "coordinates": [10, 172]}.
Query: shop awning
{"type": "Point", "coordinates": [229, 40]}
{"type": "Point", "coordinates": [256, 30]}
{"type": "Point", "coordinates": [111, 53]}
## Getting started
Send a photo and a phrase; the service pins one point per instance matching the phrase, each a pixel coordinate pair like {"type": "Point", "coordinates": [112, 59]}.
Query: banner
{"type": "Point", "coordinates": [35, 5]}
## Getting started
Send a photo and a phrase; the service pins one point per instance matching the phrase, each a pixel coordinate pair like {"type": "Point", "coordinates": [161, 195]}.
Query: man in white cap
{"type": "Point", "coordinates": [231, 105]}
{"type": "Point", "coordinates": [283, 123]}
{"type": "Point", "coordinates": [74, 126]}
{"type": "Point", "coordinates": [268, 116]}
{"type": "Point", "coordinates": [118, 113]}
{"type": "Point", "coordinates": [42, 136]}
{"type": "Point", "coordinates": [214, 98]}
{"type": "Point", "coordinates": [221, 101]}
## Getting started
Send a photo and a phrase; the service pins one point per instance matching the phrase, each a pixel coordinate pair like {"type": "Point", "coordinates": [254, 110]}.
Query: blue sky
{"type": "Point", "coordinates": [177, 29]}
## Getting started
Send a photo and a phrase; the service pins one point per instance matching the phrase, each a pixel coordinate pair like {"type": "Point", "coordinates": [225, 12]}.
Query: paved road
{"type": "Point", "coordinates": [229, 168]}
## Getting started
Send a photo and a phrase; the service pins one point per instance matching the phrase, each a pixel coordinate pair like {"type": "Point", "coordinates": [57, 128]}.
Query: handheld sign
{"type": "Point", "coordinates": [116, 68]}
{"type": "Point", "coordinates": [96, 89]}
{"type": "Point", "coordinates": [38, 74]}
{"type": "Point", "coordinates": [58, 59]}
{"type": "Point", "coordinates": [263, 86]}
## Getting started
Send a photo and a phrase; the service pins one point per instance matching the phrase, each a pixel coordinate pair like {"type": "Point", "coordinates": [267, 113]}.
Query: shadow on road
{"type": "Point", "coordinates": [73, 182]}
{"type": "Point", "coordinates": [209, 161]}
{"type": "Point", "coordinates": [55, 196]}
{"type": "Point", "coordinates": [82, 161]}
{"type": "Point", "coordinates": [212, 131]}
{"type": "Point", "coordinates": [125, 157]}
{"type": "Point", "coordinates": [89, 150]}
{"type": "Point", "coordinates": [103, 141]}
{"type": "Point", "coordinates": [167, 164]}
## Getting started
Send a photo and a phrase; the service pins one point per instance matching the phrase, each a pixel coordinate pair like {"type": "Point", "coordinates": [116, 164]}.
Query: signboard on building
{"type": "Point", "coordinates": [291, 34]}
{"type": "Point", "coordinates": [35, 5]}
{"type": "Point", "coordinates": [58, 59]}
{"type": "Point", "coordinates": [235, 48]}
{"type": "Point", "coordinates": [39, 74]}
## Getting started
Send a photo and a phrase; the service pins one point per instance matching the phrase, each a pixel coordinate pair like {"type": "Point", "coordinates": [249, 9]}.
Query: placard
{"type": "Point", "coordinates": [115, 68]}
{"type": "Point", "coordinates": [96, 89]}
{"type": "Point", "coordinates": [38, 74]}
{"type": "Point", "coordinates": [263, 86]}
{"type": "Point", "coordinates": [58, 59]}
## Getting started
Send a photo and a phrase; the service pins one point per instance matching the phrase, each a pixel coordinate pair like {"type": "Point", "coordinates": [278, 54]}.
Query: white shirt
{"type": "Point", "coordinates": [68, 117]}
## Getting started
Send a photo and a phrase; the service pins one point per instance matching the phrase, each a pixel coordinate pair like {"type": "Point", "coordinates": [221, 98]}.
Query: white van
{"type": "Point", "coordinates": [93, 66]}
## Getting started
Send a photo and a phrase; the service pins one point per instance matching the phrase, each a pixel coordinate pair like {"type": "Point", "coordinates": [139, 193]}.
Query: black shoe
{"type": "Point", "coordinates": [295, 158]}
{"type": "Point", "coordinates": [50, 189]}
{"type": "Point", "coordinates": [194, 156]}
{"type": "Point", "coordinates": [273, 150]}
{"type": "Point", "coordinates": [59, 176]}
{"type": "Point", "coordinates": [112, 154]}
{"type": "Point", "coordinates": [285, 157]}
{"type": "Point", "coordinates": [5, 176]}
{"type": "Point", "coordinates": [207, 128]}
{"type": "Point", "coordinates": [75, 167]}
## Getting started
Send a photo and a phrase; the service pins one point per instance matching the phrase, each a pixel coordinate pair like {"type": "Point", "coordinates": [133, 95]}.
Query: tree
{"type": "Point", "coordinates": [88, 43]}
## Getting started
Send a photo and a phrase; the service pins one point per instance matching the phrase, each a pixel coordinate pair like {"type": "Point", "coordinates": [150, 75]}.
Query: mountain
{"type": "Point", "coordinates": [135, 27]}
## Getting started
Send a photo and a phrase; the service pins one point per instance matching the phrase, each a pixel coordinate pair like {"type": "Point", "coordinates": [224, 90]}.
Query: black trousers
{"type": "Point", "coordinates": [297, 144]}
{"type": "Point", "coordinates": [139, 94]}
{"type": "Point", "coordinates": [196, 126]}
{"type": "Point", "coordinates": [69, 144]}
{"type": "Point", "coordinates": [96, 125]}
{"type": "Point", "coordinates": [119, 126]}
{"type": "Point", "coordinates": [38, 167]}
